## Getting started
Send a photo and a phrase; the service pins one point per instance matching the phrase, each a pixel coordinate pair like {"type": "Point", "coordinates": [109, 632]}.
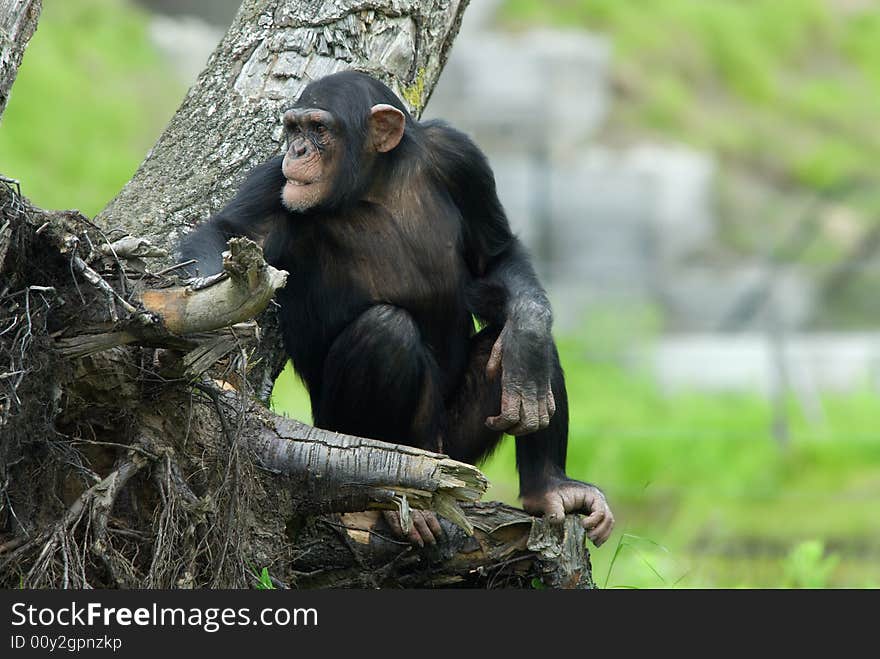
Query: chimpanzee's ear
{"type": "Point", "coordinates": [386, 127]}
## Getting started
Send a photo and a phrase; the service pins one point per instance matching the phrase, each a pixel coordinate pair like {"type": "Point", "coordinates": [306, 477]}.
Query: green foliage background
{"type": "Point", "coordinates": [785, 93]}
{"type": "Point", "coordinates": [791, 87]}
{"type": "Point", "coordinates": [91, 97]}
{"type": "Point", "coordinates": [703, 494]}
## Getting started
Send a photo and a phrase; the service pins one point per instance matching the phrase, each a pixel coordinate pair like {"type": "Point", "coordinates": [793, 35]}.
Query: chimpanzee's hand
{"type": "Point", "coordinates": [426, 529]}
{"type": "Point", "coordinates": [570, 496]}
{"type": "Point", "coordinates": [524, 354]}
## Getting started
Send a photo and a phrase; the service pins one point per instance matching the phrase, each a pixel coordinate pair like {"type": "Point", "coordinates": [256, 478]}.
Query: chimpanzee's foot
{"type": "Point", "coordinates": [426, 529]}
{"type": "Point", "coordinates": [571, 496]}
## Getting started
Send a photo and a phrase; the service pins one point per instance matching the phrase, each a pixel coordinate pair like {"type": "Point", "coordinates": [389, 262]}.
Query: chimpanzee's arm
{"type": "Point", "coordinates": [255, 203]}
{"type": "Point", "coordinates": [524, 351]}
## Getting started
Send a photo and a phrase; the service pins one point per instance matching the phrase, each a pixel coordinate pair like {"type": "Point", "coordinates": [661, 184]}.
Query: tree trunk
{"type": "Point", "coordinates": [18, 21]}
{"type": "Point", "coordinates": [135, 450]}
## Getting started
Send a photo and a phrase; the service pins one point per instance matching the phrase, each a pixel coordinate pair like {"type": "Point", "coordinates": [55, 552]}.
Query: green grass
{"type": "Point", "coordinates": [789, 87]}
{"type": "Point", "coordinates": [264, 581]}
{"type": "Point", "coordinates": [91, 97]}
{"type": "Point", "coordinates": [704, 494]}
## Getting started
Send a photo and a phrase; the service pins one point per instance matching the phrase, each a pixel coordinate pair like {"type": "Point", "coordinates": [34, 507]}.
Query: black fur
{"type": "Point", "coordinates": [385, 278]}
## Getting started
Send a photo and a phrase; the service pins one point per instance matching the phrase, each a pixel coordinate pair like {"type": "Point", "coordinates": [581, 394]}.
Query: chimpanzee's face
{"type": "Point", "coordinates": [312, 159]}
{"type": "Point", "coordinates": [321, 166]}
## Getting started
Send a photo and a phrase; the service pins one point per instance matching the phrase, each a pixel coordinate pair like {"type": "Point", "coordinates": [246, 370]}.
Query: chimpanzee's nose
{"type": "Point", "coordinates": [299, 148]}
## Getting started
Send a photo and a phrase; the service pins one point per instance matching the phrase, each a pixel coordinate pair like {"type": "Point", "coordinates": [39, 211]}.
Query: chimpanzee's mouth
{"type": "Point", "coordinates": [300, 184]}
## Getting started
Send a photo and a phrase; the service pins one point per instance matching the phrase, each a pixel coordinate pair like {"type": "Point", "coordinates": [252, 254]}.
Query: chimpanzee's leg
{"type": "Point", "coordinates": [543, 485]}
{"type": "Point", "coordinates": [540, 456]}
{"type": "Point", "coordinates": [477, 397]}
{"type": "Point", "coordinates": [380, 381]}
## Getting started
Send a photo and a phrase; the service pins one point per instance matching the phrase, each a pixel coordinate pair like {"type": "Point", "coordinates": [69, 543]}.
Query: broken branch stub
{"type": "Point", "coordinates": [336, 468]}
{"type": "Point", "coordinates": [246, 288]}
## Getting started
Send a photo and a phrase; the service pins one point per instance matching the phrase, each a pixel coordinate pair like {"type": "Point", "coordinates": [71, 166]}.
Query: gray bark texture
{"type": "Point", "coordinates": [18, 21]}
{"type": "Point", "coordinates": [135, 447]}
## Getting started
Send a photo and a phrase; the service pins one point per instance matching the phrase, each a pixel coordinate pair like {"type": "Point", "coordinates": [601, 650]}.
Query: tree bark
{"type": "Point", "coordinates": [135, 450]}
{"type": "Point", "coordinates": [508, 549]}
{"type": "Point", "coordinates": [18, 21]}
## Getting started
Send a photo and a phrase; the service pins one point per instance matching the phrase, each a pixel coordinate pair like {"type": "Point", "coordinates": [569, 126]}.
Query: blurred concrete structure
{"type": "Point", "coordinates": [187, 41]}
{"type": "Point", "coordinates": [218, 13]}
{"type": "Point", "coordinates": [187, 31]}
{"type": "Point", "coordinates": [607, 226]}
{"type": "Point", "coordinates": [746, 362]}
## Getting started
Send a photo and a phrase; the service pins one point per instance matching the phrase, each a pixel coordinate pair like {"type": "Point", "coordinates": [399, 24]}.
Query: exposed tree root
{"type": "Point", "coordinates": [61, 551]}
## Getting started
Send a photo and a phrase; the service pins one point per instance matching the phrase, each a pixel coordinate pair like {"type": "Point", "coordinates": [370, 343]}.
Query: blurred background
{"type": "Point", "coordinates": [698, 183]}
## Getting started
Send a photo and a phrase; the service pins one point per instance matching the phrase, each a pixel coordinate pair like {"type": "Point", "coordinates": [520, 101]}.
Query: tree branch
{"type": "Point", "coordinates": [244, 290]}
{"type": "Point", "coordinates": [508, 549]}
{"type": "Point", "coordinates": [18, 21]}
{"type": "Point", "coordinates": [343, 473]}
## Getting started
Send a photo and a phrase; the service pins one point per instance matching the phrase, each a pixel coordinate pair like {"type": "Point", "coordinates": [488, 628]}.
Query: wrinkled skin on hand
{"type": "Point", "coordinates": [571, 496]}
{"type": "Point", "coordinates": [524, 356]}
{"type": "Point", "coordinates": [426, 528]}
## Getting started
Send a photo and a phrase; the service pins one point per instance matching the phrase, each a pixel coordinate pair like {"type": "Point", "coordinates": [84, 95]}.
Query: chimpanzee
{"type": "Point", "coordinates": [395, 241]}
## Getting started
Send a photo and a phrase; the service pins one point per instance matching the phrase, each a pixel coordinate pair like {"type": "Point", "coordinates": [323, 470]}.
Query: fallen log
{"type": "Point", "coordinates": [508, 549]}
